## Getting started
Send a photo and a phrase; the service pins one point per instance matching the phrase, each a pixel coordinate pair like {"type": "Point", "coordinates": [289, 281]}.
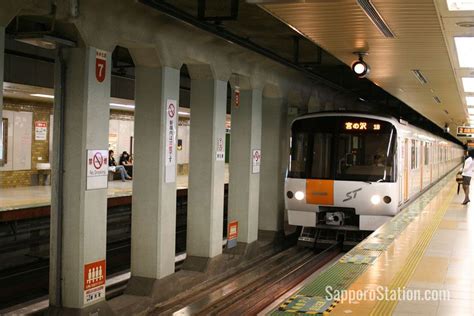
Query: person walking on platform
{"type": "Point", "coordinates": [467, 173]}
{"type": "Point", "coordinates": [114, 168]}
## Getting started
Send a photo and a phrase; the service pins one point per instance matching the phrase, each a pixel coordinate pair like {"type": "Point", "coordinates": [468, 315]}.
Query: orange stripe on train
{"type": "Point", "coordinates": [320, 192]}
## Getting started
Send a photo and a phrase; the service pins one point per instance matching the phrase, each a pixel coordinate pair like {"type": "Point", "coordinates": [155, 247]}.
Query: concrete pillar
{"type": "Point", "coordinates": [2, 67]}
{"type": "Point", "coordinates": [273, 167]}
{"type": "Point", "coordinates": [245, 156]}
{"type": "Point", "coordinates": [206, 167]}
{"type": "Point", "coordinates": [154, 175]}
{"type": "Point", "coordinates": [84, 212]}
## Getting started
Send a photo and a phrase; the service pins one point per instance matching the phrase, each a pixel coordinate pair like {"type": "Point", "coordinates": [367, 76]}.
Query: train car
{"type": "Point", "coordinates": [352, 172]}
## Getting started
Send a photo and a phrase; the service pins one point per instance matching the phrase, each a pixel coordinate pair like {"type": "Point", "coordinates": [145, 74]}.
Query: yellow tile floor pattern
{"type": "Point", "coordinates": [435, 252]}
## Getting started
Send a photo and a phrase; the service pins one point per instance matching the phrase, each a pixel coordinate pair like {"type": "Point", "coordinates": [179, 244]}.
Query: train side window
{"type": "Point", "coordinates": [427, 154]}
{"type": "Point", "coordinates": [414, 154]}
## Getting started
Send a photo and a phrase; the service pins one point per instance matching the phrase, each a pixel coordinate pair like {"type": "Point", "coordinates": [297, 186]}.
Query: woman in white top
{"type": "Point", "coordinates": [467, 173]}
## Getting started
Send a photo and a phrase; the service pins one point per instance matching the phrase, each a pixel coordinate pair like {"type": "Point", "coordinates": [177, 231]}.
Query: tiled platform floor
{"type": "Point", "coordinates": [35, 196]}
{"type": "Point", "coordinates": [444, 262]}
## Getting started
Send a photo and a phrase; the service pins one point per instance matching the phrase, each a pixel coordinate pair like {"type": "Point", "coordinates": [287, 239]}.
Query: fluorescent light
{"type": "Point", "coordinates": [126, 106]}
{"type": "Point", "coordinates": [464, 48]}
{"type": "Point", "coordinates": [184, 113]}
{"type": "Point", "coordinates": [470, 100]}
{"type": "Point", "coordinates": [468, 83]}
{"type": "Point", "coordinates": [460, 5]}
{"type": "Point", "coordinates": [40, 95]}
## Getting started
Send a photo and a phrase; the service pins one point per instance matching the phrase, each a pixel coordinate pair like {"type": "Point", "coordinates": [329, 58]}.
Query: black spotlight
{"type": "Point", "coordinates": [360, 67]}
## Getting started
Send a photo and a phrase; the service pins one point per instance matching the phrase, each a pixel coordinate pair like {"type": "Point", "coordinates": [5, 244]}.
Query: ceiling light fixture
{"type": "Point", "coordinates": [40, 95]}
{"type": "Point", "coordinates": [470, 101]}
{"type": "Point", "coordinates": [360, 67]}
{"type": "Point", "coordinates": [468, 84]}
{"type": "Point", "coordinates": [125, 106]}
{"type": "Point", "coordinates": [464, 49]}
{"type": "Point", "coordinates": [460, 5]}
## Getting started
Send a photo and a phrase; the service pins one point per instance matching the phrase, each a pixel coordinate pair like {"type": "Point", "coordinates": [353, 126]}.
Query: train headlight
{"type": "Point", "coordinates": [375, 199]}
{"type": "Point", "coordinates": [299, 195]}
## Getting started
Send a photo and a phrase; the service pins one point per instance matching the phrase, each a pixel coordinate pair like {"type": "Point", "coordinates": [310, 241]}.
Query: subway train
{"type": "Point", "coordinates": [352, 172]}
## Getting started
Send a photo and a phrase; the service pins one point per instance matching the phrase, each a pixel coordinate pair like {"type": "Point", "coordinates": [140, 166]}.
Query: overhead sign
{"type": "Point", "coordinates": [94, 281]}
{"type": "Point", "coordinates": [232, 233]}
{"type": "Point", "coordinates": [256, 159]}
{"type": "Point", "coordinates": [97, 169]}
{"type": "Point", "coordinates": [465, 131]}
{"type": "Point", "coordinates": [220, 153]}
{"type": "Point", "coordinates": [100, 65]}
{"type": "Point", "coordinates": [170, 150]}
{"type": "Point", "coordinates": [41, 130]}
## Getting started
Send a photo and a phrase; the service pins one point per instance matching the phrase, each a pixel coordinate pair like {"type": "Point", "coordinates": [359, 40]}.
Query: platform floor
{"type": "Point", "coordinates": [428, 246]}
{"type": "Point", "coordinates": [36, 196]}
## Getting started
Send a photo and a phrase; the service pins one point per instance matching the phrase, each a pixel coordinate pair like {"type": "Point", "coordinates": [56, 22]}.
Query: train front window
{"type": "Point", "coordinates": [343, 148]}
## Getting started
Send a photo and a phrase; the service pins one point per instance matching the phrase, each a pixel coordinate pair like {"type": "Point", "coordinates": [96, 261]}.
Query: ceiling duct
{"type": "Point", "coordinates": [375, 17]}
{"type": "Point", "coordinates": [419, 75]}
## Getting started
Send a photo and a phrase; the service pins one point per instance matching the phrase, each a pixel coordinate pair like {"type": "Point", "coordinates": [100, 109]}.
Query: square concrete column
{"type": "Point", "coordinates": [2, 67]}
{"type": "Point", "coordinates": [154, 174]}
{"type": "Point", "coordinates": [84, 208]}
{"type": "Point", "coordinates": [206, 168]}
{"type": "Point", "coordinates": [245, 156]}
{"type": "Point", "coordinates": [272, 177]}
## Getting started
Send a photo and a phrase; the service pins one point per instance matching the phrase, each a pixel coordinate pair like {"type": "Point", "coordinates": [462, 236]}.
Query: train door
{"type": "Point", "coordinates": [430, 152]}
{"type": "Point", "coordinates": [421, 163]}
{"type": "Point", "coordinates": [405, 168]}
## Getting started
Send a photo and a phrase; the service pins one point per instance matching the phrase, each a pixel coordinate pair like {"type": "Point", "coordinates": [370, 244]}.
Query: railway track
{"type": "Point", "coordinates": [251, 290]}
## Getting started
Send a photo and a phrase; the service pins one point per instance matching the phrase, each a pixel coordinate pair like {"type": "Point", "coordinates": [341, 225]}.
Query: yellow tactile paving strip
{"type": "Point", "coordinates": [398, 264]}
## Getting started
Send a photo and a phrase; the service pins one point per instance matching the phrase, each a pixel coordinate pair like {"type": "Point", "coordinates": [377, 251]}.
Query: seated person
{"type": "Point", "coordinates": [126, 161]}
{"type": "Point", "coordinates": [114, 168]}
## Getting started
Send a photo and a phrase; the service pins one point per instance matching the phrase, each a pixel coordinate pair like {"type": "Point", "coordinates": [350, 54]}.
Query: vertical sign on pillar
{"type": "Point", "coordinates": [170, 150]}
{"type": "Point", "coordinates": [97, 169]}
{"type": "Point", "coordinates": [232, 234]}
{"type": "Point", "coordinates": [256, 159]}
{"type": "Point", "coordinates": [100, 65]}
{"type": "Point", "coordinates": [220, 153]}
{"type": "Point", "coordinates": [237, 97]}
{"type": "Point", "coordinates": [94, 281]}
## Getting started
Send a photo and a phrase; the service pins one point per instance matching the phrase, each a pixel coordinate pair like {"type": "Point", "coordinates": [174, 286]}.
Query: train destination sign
{"type": "Point", "coordinates": [465, 131]}
{"type": "Point", "coordinates": [361, 125]}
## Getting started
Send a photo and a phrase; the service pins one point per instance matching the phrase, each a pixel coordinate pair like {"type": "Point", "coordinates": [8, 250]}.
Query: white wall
{"type": "Point", "coordinates": [120, 133]}
{"type": "Point", "coordinates": [183, 134]}
{"type": "Point", "coordinates": [20, 127]}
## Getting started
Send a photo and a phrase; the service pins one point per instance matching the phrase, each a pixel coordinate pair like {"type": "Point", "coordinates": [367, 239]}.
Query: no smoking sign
{"type": "Point", "coordinates": [97, 169]}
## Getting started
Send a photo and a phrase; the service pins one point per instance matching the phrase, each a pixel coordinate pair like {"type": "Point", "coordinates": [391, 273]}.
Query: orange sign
{"type": "Point", "coordinates": [465, 131]}
{"type": "Point", "coordinates": [320, 192]}
{"type": "Point", "coordinates": [94, 274]}
{"type": "Point", "coordinates": [233, 230]}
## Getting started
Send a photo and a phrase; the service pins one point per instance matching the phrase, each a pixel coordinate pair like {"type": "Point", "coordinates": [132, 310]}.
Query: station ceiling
{"type": "Point", "coordinates": [423, 40]}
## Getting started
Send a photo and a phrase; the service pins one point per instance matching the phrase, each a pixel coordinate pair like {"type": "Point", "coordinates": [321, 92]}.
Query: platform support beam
{"type": "Point", "coordinates": [245, 161]}
{"type": "Point", "coordinates": [206, 167]}
{"type": "Point", "coordinates": [272, 177]}
{"type": "Point", "coordinates": [154, 182]}
{"type": "Point", "coordinates": [86, 124]}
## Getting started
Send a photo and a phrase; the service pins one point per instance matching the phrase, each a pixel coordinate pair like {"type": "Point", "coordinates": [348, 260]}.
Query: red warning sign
{"type": "Point", "coordinates": [94, 274]}
{"type": "Point", "coordinates": [100, 65]}
{"type": "Point", "coordinates": [94, 281]}
{"type": "Point", "coordinates": [98, 160]}
{"type": "Point", "coordinates": [233, 230]}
